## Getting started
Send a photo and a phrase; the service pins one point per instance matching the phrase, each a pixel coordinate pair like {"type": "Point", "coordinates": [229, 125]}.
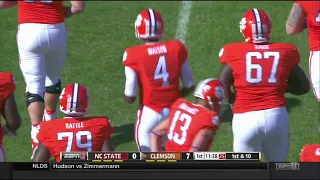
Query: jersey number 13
{"type": "Point", "coordinates": [179, 137]}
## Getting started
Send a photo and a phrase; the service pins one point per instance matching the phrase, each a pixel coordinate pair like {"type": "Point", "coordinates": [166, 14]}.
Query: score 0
{"type": "Point", "coordinates": [133, 155]}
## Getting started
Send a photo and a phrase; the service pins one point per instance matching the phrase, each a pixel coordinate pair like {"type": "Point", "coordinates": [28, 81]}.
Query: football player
{"type": "Point", "coordinates": [155, 67]}
{"type": "Point", "coordinates": [306, 14]}
{"type": "Point", "coordinates": [192, 127]}
{"type": "Point", "coordinates": [310, 153]}
{"type": "Point", "coordinates": [74, 132]}
{"type": "Point", "coordinates": [8, 109]}
{"type": "Point", "coordinates": [261, 73]}
{"type": "Point", "coordinates": [42, 45]}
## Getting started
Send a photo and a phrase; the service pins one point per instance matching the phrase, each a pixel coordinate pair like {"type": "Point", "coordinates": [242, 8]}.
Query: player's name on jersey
{"type": "Point", "coordinates": [226, 156]}
{"type": "Point", "coordinates": [160, 156]}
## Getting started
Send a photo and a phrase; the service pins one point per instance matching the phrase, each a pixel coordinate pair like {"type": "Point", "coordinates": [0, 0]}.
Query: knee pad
{"type": "Point", "coordinates": [54, 89]}
{"type": "Point", "coordinates": [33, 98]}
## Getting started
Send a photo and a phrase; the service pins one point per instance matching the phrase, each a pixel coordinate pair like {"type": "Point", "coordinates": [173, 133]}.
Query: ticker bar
{"type": "Point", "coordinates": [140, 165]}
{"type": "Point", "coordinates": [31, 166]}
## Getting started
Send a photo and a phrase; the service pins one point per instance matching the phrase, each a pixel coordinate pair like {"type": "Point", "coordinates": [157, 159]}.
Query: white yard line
{"type": "Point", "coordinates": [185, 11]}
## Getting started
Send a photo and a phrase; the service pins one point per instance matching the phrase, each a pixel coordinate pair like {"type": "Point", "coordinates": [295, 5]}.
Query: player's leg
{"type": "Point", "coordinates": [33, 71]}
{"type": "Point", "coordinates": [246, 133]}
{"type": "Point", "coordinates": [276, 144]}
{"type": "Point", "coordinates": [314, 68]}
{"type": "Point", "coordinates": [55, 60]}
{"type": "Point", "coordinates": [147, 120]}
{"type": "Point", "coordinates": [32, 65]}
{"type": "Point", "coordinates": [164, 114]}
{"type": "Point", "coordinates": [2, 154]}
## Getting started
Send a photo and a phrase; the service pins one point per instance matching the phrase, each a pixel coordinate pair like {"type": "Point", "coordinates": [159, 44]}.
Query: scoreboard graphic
{"type": "Point", "coordinates": [164, 162]}
{"type": "Point", "coordinates": [97, 161]}
{"type": "Point", "coordinates": [157, 156]}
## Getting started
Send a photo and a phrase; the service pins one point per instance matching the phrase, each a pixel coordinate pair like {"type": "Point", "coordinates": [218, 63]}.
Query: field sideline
{"type": "Point", "coordinates": [98, 37]}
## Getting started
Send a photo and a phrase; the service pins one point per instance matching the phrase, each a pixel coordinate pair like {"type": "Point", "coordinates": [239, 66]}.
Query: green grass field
{"type": "Point", "coordinates": [98, 37]}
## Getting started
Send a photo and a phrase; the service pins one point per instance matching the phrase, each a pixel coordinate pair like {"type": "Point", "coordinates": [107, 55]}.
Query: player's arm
{"type": "Point", "coordinates": [76, 7]}
{"type": "Point", "coordinates": [157, 133]}
{"type": "Point", "coordinates": [186, 77]}
{"type": "Point", "coordinates": [11, 114]}
{"type": "Point", "coordinates": [201, 140]}
{"type": "Point", "coordinates": [7, 4]}
{"type": "Point", "coordinates": [107, 145]}
{"type": "Point", "coordinates": [298, 82]}
{"type": "Point", "coordinates": [295, 22]}
{"type": "Point", "coordinates": [227, 78]}
{"type": "Point", "coordinates": [42, 154]}
{"type": "Point", "coordinates": [131, 85]}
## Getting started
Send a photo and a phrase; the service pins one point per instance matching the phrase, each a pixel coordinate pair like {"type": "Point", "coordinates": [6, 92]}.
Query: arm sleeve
{"type": "Point", "coordinates": [223, 55]}
{"type": "Point", "coordinates": [10, 86]}
{"type": "Point", "coordinates": [110, 128]}
{"type": "Point", "coordinates": [107, 129]}
{"type": "Point", "coordinates": [131, 82]}
{"type": "Point", "coordinates": [186, 75]}
{"type": "Point", "coordinates": [296, 57]}
{"type": "Point", "coordinates": [41, 136]}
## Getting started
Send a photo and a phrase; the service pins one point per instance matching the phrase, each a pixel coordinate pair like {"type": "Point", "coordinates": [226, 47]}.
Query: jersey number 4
{"type": "Point", "coordinates": [79, 144]}
{"type": "Point", "coordinates": [250, 67]}
{"type": "Point", "coordinates": [181, 137]}
{"type": "Point", "coordinates": [161, 71]}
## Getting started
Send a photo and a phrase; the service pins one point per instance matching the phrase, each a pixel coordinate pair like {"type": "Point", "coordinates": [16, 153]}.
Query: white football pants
{"type": "Point", "coordinates": [265, 131]}
{"type": "Point", "coordinates": [147, 119]}
{"type": "Point", "coordinates": [42, 52]}
{"type": "Point", "coordinates": [314, 70]}
{"type": "Point", "coordinates": [2, 154]}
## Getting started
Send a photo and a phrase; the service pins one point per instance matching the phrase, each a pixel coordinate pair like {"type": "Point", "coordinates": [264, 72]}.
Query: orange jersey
{"type": "Point", "coordinates": [40, 11]}
{"type": "Point", "coordinates": [260, 73]}
{"type": "Point", "coordinates": [158, 67]}
{"type": "Point", "coordinates": [186, 120]}
{"type": "Point", "coordinates": [7, 87]}
{"type": "Point", "coordinates": [310, 153]}
{"type": "Point", "coordinates": [74, 134]}
{"type": "Point", "coordinates": [312, 14]}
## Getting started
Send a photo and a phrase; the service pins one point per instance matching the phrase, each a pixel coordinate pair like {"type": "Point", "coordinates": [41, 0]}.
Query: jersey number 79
{"type": "Point", "coordinates": [78, 140]}
{"type": "Point", "coordinates": [179, 137]}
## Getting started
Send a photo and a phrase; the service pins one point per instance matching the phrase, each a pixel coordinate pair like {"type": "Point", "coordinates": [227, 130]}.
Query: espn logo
{"type": "Point", "coordinates": [288, 166]}
{"type": "Point", "coordinates": [74, 156]}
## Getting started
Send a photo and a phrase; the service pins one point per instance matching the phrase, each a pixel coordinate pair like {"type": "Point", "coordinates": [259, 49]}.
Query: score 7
{"type": "Point", "coordinates": [265, 56]}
